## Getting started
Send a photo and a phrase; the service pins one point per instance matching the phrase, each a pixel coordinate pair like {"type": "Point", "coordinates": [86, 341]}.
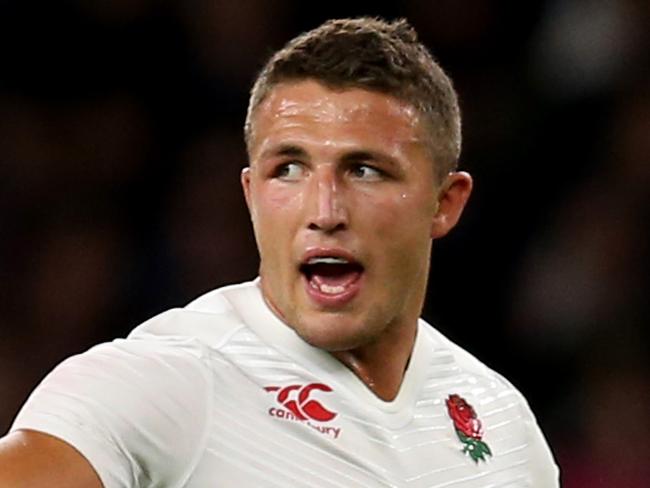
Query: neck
{"type": "Point", "coordinates": [381, 365]}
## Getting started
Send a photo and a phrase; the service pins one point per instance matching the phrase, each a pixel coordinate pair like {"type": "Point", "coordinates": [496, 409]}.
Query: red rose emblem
{"type": "Point", "coordinates": [464, 417]}
{"type": "Point", "coordinates": [468, 427]}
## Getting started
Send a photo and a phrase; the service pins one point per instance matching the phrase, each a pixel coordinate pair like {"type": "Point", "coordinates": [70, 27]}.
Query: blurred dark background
{"type": "Point", "coordinates": [121, 147]}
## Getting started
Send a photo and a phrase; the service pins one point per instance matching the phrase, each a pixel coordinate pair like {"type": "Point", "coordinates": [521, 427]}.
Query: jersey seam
{"type": "Point", "coordinates": [226, 337]}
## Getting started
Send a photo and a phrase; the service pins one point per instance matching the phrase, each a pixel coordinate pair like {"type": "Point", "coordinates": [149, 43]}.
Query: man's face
{"type": "Point", "coordinates": [343, 199]}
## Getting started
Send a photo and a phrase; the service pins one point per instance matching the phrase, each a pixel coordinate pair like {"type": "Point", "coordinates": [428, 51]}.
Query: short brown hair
{"type": "Point", "coordinates": [377, 55]}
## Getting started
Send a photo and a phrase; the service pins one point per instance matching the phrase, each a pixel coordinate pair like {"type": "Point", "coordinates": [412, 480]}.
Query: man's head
{"type": "Point", "coordinates": [375, 55]}
{"type": "Point", "coordinates": [344, 189]}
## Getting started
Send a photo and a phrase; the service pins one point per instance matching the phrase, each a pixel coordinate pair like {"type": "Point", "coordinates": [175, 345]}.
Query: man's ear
{"type": "Point", "coordinates": [453, 195]}
{"type": "Point", "coordinates": [246, 185]}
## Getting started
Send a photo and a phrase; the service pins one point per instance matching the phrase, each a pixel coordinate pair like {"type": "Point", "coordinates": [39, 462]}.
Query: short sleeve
{"type": "Point", "coordinates": [136, 409]}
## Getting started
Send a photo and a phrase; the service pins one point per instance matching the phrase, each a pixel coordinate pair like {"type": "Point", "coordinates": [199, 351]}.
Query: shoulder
{"type": "Point", "coordinates": [123, 403]}
{"type": "Point", "coordinates": [465, 361]}
{"type": "Point", "coordinates": [208, 320]}
{"type": "Point", "coordinates": [502, 406]}
{"type": "Point", "coordinates": [484, 383]}
{"type": "Point", "coordinates": [485, 377]}
{"type": "Point", "coordinates": [170, 349]}
{"type": "Point", "coordinates": [463, 358]}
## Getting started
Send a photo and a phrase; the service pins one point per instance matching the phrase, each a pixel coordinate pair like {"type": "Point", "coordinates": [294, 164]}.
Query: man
{"type": "Point", "coordinates": [320, 372]}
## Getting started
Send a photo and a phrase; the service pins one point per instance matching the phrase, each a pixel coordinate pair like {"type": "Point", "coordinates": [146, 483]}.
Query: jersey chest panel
{"type": "Point", "coordinates": [277, 424]}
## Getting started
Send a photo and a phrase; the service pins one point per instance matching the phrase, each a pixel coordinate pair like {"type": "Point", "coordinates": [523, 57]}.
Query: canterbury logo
{"type": "Point", "coordinates": [297, 400]}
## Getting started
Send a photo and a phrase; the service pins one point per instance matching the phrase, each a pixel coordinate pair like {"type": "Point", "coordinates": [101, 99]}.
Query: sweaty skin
{"type": "Point", "coordinates": [347, 172]}
{"type": "Point", "coordinates": [30, 459]}
{"type": "Point", "coordinates": [327, 110]}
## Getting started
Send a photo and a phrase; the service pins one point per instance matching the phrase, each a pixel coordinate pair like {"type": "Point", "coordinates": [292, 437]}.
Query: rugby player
{"type": "Point", "coordinates": [320, 371]}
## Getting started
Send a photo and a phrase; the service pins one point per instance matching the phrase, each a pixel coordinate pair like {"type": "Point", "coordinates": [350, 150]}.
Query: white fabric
{"type": "Point", "coordinates": [202, 396]}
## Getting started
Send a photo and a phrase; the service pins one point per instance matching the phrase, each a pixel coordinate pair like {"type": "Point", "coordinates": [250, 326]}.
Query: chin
{"type": "Point", "coordinates": [333, 333]}
{"type": "Point", "coordinates": [332, 344]}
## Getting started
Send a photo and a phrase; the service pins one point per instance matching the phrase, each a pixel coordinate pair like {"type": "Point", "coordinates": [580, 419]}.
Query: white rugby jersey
{"type": "Point", "coordinates": [221, 393]}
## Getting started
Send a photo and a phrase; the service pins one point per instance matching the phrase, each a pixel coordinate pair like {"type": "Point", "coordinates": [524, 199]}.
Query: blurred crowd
{"type": "Point", "coordinates": [121, 146]}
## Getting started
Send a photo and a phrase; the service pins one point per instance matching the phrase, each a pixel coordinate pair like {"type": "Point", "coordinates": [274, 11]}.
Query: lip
{"type": "Point", "coordinates": [328, 300]}
{"type": "Point", "coordinates": [335, 252]}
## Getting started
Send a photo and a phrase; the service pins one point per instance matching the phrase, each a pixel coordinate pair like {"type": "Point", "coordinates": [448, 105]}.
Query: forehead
{"type": "Point", "coordinates": [309, 105]}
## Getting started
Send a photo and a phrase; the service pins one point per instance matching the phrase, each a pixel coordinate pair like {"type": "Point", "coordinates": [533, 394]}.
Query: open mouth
{"type": "Point", "coordinates": [331, 275]}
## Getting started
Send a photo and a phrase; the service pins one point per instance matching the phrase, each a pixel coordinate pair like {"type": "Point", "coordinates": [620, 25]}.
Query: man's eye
{"type": "Point", "coordinates": [366, 172]}
{"type": "Point", "coordinates": [289, 171]}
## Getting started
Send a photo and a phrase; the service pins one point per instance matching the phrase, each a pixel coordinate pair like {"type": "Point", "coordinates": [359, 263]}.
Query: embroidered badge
{"type": "Point", "coordinates": [468, 427]}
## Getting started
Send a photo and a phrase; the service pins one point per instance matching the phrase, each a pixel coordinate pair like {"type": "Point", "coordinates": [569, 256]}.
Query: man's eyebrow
{"type": "Point", "coordinates": [290, 150]}
{"type": "Point", "coordinates": [354, 156]}
{"type": "Point", "coordinates": [368, 155]}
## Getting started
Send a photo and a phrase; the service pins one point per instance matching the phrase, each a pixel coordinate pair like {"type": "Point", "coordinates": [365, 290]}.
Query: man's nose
{"type": "Point", "coordinates": [328, 208]}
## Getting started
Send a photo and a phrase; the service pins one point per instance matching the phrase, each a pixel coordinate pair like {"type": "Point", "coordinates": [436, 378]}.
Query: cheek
{"type": "Point", "coordinates": [398, 229]}
{"type": "Point", "coordinates": [399, 216]}
{"type": "Point", "coordinates": [280, 201]}
{"type": "Point", "coordinates": [275, 214]}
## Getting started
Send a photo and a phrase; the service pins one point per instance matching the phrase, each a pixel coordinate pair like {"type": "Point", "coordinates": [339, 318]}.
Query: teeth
{"type": "Point", "coordinates": [330, 290]}
{"type": "Point", "coordinates": [327, 260]}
